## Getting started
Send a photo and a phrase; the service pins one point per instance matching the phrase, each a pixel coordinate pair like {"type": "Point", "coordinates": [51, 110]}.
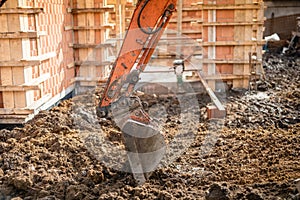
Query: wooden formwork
{"type": "Point", "coordinates": [224, 32]}
{"type": "Point", "coordinates": [231, 30]}
{"type": "Point", "coordinates": [34, 58]}
{"type": "Point", "coordinates": [95, 22]}
{"type": "Point", "coordinates": [90, 28]}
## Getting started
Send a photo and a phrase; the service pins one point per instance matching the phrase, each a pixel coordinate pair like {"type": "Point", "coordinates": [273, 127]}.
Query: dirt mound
{"type": "Point", "coordinates": [64, 153]}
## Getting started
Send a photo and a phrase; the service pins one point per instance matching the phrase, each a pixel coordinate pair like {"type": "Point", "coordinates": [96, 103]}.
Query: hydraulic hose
{"type": "Point", "coordinates": [151, 31]}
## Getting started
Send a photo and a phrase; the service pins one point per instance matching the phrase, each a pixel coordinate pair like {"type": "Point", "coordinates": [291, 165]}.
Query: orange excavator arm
{"type": "Point", "coordinates": [144, 144]}
{"type": "Point", "coordinates": [146, 27]}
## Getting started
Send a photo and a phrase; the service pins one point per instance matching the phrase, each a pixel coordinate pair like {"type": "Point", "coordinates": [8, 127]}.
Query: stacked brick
{"type": "Point", "coordinates": [232, 30]}
{"type": "Point", "coordinates": [35, 60]}
{"type": "Point", "coordinates": [91, 28]}
{"type": "Point", "coordinates": [226, 32]}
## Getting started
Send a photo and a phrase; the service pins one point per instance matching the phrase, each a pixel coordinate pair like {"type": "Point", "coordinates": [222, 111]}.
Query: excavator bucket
{"type": "Point", "coordinates": [145, 148]}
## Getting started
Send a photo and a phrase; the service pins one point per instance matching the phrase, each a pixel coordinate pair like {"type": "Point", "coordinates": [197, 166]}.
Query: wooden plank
{"type": "Point", "coordinates": [6, 75]}
{"type": "Point", "coordinates": [20, 10]}
{"type": "Point", "coordinates": [7, 79]}
{"type": "Point", "coordinates": [8, 99]}
{"type": "Point", "coordinates": [18, 88]}
{"type": "Point", "coordinates": [246, 23]}
{"type": "Point", "coordinates": [15, 119]}
{"type": "Point", "coordinates": [95, 63]}
{"type": "Point", "coordinates": [13, 35]}
{"type": "Point", "coordinates": [91, 33]}
{"type": "Point", "coordinates": [13, 23]}
{"type": "Point", "coordinates": [187, 20]}
{"type": "Point", "coordinates": [17, 76]}
{"type": "Point", "coordinates": [233, 43]}
{"type": "Point", "coordinates": [225, 77]}
{"type": "Point", "coordinates": [210, 92]}
{"type": "Point", "coordinates": [12, 63]}
{"type": "Point", "coordinates": [89, 79]}
{"type": "Point", "coordinates": [231, 6]}
{"type": "Point", "coordinates": [85, 46]}
{"type": "Point", "coordinates": [103, 27]}
{"type": "Point", "coordinates": [191, 9]}
{"type": "Point", "coordinates": [15, 49]}
{"type": "Point", "coordinates": [191, 31]}
{"type": "Point", "coordinates": [15, 111]}
{"type": "Point", "coordinates": [12, 4]}
{"type": "Point", "coordinates": [225, 61]}
{"type": "Point", "coordinates": [3, 22]}
{"type": "Point", "coordinates": [4, 51]}
{"type": "Point", "coordinates": [92, 10]}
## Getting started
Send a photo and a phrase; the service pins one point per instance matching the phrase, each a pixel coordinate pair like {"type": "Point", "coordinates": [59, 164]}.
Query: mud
{"type": "Point", "coordinates": [64, 153]}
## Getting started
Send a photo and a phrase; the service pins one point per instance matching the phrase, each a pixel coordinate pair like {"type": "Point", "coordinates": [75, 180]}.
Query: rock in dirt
{"type": "Point", "coordinates": [253, 196]}
{"type": "Point", "coordinates": [217, 192]}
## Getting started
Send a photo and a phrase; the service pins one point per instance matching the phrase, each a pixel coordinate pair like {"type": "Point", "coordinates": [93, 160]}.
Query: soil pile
{"type": "Point", "coordinates": [64, 153]}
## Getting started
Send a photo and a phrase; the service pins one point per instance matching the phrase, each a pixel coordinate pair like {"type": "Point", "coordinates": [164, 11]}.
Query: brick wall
{"type": "Point", "coordinates": [283, 26]}
{"type": "Point", "coordinates": [36, 69]}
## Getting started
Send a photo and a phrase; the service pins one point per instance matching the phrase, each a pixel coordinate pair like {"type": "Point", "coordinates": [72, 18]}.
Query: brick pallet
{"type": "Point", "coordinates": [95, 22]}
{"type": "Point", "coordinates": [35, 59]}
{"type": "Point", "coordinates": [225, 32]}
{"type": "Point", "coordinates": [90, 29]}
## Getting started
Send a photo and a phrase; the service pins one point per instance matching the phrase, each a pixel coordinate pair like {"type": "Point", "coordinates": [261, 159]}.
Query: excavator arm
{"type": "Point", "coordinates": [2, 2]}
{"type": "Point", "coordinates": [146, 27]}
{"type": "Point", "coordinates": [144, 144]}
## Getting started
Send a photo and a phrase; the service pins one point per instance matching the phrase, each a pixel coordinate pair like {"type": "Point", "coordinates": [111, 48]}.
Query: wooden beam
{"type": "Point", "coordinates": [21, 63]}
{"type": "Point", "coordinates": [85, 46]}
{"type": "Point", "coordinates": [233, 43]}
{"type": "Point", "coordinates": [86, 79]}
{"type": "Point", "coordinates": [15, 119]}
{"type": "Point", "coordinates": [18, 88]}
{"type": "Point", "coordinates": [16, 35]}
{"type": "Point", "coordinates": [232, 23]}
{"type": "Point", "coordinates": [191, 9]}
{"type": "Point", "coordinates": [15, 111]}
{"type": "Point", "coordinates": [104, 27]}
{"type": "Point", "coordinates": [20, 10]}
{"type": "Point", "coordinates": [224, 77]}
{"type": "Point", "coordinates": [91, 63]}
{"type": "Point", "coordinates": [231, 7]}
{"type": "Point", "coordinates": [207, 61]}
{"type": "Point", "coordinates": [92, 10]}
{"type": "Point", "coordinates": [210, 92]}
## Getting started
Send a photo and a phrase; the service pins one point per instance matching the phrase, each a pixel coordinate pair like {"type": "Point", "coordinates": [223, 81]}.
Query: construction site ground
{"type": "Point", "coordinates": [253, 155]}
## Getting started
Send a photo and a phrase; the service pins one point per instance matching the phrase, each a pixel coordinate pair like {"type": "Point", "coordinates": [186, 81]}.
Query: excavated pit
{"type": "Point", "coordinates": [64, 153]}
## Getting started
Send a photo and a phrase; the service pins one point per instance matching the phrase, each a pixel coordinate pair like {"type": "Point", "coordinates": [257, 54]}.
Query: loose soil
{"type": "Point", "coordinates": [64, 153]}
